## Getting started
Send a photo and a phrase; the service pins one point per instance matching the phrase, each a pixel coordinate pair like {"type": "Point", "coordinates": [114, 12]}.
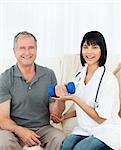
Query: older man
{"type": "Point", "coordinates": [25, 105]}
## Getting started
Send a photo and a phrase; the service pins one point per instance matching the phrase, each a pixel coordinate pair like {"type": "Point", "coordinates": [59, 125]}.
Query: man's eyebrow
{"type": "Point", "coordinates": [22, 47]}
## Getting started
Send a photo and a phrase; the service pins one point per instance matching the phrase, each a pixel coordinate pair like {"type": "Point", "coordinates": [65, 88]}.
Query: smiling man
{"type": "Point", "coordinates": [25, 105]}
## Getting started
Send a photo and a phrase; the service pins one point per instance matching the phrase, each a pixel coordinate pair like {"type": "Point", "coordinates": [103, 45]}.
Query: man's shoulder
{"type": "Point", "coordinates": [44, 69]}
{"type": "Point", "coordinates": [6, 78]}
{"type": "Point", "coordinates": [7, 73]}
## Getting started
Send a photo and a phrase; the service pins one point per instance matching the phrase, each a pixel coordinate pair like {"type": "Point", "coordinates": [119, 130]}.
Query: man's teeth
{"type": "Point", "coordinates": [26, 57]}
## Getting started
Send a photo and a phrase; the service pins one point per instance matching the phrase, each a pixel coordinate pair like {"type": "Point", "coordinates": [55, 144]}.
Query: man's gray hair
{"type": "Point", "coordinates": [23, 33]}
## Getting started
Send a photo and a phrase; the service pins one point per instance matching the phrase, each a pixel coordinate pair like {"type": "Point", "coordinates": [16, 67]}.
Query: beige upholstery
{"type": "Point", "coordinates": [32, 148]}
{"type": "Point", "coordinates": [117, 72]}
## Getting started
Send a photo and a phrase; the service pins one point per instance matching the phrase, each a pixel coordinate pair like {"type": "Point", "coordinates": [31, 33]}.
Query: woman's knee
{"type": "Point", "coordinates": [69, 142]}
{"type": "Point", "coordinates": [90, 143]}
{"type": "Point", "coordinates": [66, 145]}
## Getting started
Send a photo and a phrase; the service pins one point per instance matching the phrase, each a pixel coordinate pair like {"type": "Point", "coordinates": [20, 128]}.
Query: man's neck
{"type": "Point", "coordinates": [27, 71]}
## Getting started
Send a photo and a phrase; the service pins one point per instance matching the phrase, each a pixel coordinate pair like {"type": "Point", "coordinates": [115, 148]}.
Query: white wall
{"type": "Point", "coordinates": [59, 25]}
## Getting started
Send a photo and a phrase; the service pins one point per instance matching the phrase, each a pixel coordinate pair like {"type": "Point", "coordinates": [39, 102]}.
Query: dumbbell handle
{"type": "Point", "coordinates": [70, 88]}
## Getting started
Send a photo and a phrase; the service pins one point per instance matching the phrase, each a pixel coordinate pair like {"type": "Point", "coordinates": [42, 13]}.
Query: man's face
{"type": "Point", "coordinates": [25, 50]}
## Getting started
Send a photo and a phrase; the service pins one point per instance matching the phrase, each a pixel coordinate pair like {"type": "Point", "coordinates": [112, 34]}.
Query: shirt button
{"type": "Point", "coordinates": [27, 81]}
{"type": "Point", "coordinates": [30, 88]}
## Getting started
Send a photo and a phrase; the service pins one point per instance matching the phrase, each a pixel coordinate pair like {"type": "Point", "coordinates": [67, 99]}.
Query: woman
{"type": "Point", "coordinates": [96, 99]}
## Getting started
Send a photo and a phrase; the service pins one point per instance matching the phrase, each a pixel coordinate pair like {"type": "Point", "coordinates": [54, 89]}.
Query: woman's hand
{"type": "Point", "coordinates": [65, 98]}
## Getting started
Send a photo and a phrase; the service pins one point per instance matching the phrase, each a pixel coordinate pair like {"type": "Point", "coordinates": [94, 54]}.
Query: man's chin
{"type": "Point", "coordinates": [27, 64]}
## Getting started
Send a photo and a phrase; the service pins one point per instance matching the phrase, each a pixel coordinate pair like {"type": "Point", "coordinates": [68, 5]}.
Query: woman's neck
{"type": "Point", "coordinates": [90, 71]}
{"type": "Point", "coordinates": [92, 68]}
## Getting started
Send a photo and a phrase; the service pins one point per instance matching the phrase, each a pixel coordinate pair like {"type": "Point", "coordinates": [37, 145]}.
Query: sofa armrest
{"type": "Point", "coordinates": [69, 124]}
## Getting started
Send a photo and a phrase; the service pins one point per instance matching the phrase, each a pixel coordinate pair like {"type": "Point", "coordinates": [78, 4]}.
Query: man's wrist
{"type": "Point", "coordinates": [59, 101]}
{"type": "Point", "coordinates": [16, 129]}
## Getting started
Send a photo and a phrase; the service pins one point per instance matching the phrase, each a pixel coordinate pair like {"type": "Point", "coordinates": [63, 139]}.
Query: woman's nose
{"type": "Point", "coordinates": [89, 50]}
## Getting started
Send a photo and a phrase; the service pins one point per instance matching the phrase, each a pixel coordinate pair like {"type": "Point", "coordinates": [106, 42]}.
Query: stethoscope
{"type": "Point", "coordinates": [96, 103]}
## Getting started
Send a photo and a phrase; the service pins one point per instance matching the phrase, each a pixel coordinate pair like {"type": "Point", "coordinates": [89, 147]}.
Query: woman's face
{"type": "Point", "coordinates": [91, 53]}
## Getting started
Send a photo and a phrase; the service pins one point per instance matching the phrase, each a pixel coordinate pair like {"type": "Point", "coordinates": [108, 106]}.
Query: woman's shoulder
{"type": "Point", "coordinates": [110, 77]}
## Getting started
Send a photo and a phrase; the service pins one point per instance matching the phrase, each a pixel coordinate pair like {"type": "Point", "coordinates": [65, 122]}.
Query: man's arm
{"type": "Point", "coordinates": [58, 107]}
{"type": "Point", "coordinates": [6, 123]}
{"type": "Point", "coordinates": [56, 110]}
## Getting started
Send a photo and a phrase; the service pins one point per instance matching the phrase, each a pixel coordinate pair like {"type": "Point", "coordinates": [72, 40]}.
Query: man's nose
{"type": "Point", "coordinates": [27, 51]}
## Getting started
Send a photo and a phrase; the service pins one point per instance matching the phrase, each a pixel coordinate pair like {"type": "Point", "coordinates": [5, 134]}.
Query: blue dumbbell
{"type": "Point", "coordinates": [70, 88]}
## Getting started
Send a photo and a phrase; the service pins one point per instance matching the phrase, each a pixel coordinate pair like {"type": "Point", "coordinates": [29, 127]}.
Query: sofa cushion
{"type": "Point", "coordinates": [32, 148]}
{"type": "Point", "coordinates": [117, 72]}
{"type": "Point", "coordinates": [70, 64]}
{"type": "Point", "coordinates": [112, 61]}
{"type": "Point", "coordinates": [52, 63]}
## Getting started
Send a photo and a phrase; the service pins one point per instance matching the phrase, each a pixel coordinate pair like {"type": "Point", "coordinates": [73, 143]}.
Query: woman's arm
{"type": "Point", "coordinates": [89, 110]}
{"type": "Point", "coordinates": [69, 114]}
{"type": "Point", "coordinates": [86, 108]}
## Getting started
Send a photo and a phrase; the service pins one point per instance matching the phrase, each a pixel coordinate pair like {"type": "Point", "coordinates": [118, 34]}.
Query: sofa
{"type": "Point", "coordinates": [65, 68]}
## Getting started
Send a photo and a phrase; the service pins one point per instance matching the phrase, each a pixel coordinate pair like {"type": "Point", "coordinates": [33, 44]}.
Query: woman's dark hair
{"type": "Point", "coordinates": [96, 38]}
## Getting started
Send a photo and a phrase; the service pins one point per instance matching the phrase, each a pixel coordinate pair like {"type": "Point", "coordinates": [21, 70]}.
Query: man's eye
{"type": "Point", "coordinates": [31, 47]}
{"type": "Point", "coordinates": [22, 48]}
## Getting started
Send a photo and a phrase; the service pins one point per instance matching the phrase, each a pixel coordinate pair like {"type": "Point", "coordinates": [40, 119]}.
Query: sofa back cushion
{"type": "Point", "coordinates": [53, 63]}
{"type": "Point", "coordinates": [70, 65]}
{"type": "Point", "coordinates": [117, 72]}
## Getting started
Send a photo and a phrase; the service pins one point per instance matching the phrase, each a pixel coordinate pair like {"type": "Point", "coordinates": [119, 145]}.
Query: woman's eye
{"type": "Point", "coordinates": [85, 47]}
{"type": "Point", "coordinates": [95, 47]}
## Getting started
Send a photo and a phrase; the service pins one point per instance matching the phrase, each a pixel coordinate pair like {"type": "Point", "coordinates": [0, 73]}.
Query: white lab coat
{"type": "Point", "coordinates": [108, 107]}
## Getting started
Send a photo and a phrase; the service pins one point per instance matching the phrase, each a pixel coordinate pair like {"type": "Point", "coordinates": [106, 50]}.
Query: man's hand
{"type": "Point", "coordinates": [56, 119]}
{"type": "Point", "coordinates": [28, 137]}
